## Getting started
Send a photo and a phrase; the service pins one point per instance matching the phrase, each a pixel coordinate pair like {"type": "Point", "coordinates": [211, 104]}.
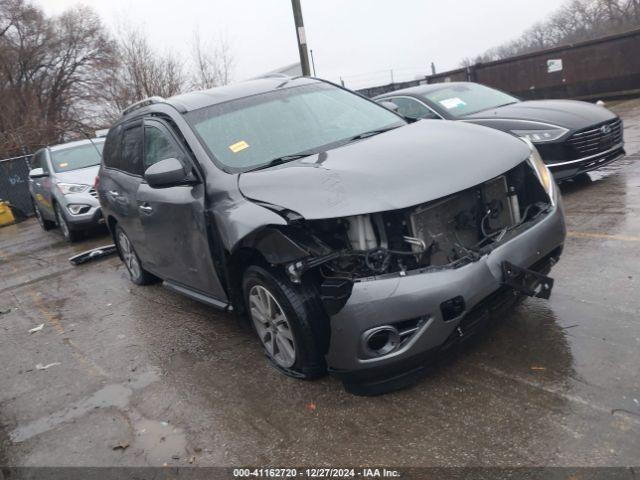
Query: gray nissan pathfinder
{"type": "Point", "coordinates": [353, 241]}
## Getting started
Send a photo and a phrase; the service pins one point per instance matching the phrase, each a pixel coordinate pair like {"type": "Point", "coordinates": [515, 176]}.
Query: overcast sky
{"type": "Point", "coordinates": [360, 40]}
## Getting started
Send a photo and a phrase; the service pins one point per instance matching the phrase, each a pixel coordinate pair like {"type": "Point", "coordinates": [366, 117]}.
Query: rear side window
{"type": "Point", "coordinates": [131, 150]}
{"type": "Point", "coordinates": [110, 154]}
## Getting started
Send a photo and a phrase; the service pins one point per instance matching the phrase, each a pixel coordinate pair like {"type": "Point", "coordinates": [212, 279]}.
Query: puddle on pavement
{"type": "Point", "coordinates": [160, 441]}
{"type": "Point", "coordinates": [115, 395]}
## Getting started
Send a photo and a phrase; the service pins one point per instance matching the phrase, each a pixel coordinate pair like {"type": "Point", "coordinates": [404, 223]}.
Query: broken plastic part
{"type": "Point", "coordinates": [526, 281]}
{"type": "Point", "coordinates": [93, 254]}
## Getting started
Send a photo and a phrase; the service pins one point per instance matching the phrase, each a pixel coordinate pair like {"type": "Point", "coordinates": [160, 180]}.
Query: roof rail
{"type": "Point", "coordinates": [142, 103]}
{"type": "Point", "coordinates": [272, 75]}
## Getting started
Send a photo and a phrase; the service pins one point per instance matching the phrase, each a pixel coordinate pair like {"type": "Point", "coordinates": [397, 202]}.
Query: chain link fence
{"type": "Point", "coordinates": [14, 184]}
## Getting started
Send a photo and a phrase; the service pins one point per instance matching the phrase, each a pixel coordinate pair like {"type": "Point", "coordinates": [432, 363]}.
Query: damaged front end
{"type": "Point", "coordinates": [446, 233]}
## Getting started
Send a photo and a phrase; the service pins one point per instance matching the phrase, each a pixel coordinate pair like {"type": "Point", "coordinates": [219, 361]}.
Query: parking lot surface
{"type": "Point", "coordinates": [142, 376]}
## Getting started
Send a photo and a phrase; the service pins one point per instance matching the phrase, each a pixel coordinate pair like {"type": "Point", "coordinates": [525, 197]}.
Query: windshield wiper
{"type": "Point", "coordinates": [370, 133]}
{"type": "Point", "coordinates": [279, 161]}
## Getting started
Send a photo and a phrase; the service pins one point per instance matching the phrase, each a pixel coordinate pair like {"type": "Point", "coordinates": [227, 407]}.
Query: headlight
{"type": "Point", "coordinates": [542, 171]}
{"type": "Point", "coordinates": [67, 188]}
{"type": "Point", "coordinates": [543, 135]}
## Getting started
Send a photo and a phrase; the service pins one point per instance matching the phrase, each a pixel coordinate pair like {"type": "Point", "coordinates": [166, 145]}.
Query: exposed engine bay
{"type": "Point", "coordinates": [445, 233]}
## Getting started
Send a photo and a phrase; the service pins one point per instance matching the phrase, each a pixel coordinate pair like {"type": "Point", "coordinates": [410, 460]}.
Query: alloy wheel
{"type": "Point", "coordinates": [64, 228]}
{"type": "Point", "coordinates": [129, 255]}
{"type": "Point", "coordinates": [39, 216]}
{"type": "Point", "coordinates": [272, 326]}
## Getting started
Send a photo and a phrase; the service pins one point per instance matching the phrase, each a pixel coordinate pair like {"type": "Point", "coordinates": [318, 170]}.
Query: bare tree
{"type": "Point", "coordinates": [141, 72]}
{"type": "Point", "coordinates": [50, 72]}
{"type": "Point", "coordinates": [64, 74]}
{"type": "Point", "coordinates": [575, 21]}
{"type": "Point", "coordinates": [212, 66]}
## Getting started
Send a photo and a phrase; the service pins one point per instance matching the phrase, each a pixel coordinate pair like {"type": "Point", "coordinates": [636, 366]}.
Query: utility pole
{"type": "Point", "coordinates": [302, 39]}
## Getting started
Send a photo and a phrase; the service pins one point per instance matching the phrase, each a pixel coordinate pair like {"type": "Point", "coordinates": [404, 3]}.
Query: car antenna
{"type": "Point", "coordinates": [82, 130]}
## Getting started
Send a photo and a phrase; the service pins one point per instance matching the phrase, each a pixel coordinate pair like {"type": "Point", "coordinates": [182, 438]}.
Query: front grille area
{"type": "Point", "coordinates": [596, 139]}
{"type": "Point", "coordinates": [93, 192]}
{"type": "Point", "coordinates": [477, 218]}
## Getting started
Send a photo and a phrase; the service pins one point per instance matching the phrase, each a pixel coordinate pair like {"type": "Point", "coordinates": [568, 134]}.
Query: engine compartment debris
{"type": "Point", "coordinates": [445, 233]}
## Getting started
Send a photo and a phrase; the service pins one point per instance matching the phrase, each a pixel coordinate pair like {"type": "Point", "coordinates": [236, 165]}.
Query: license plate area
{"type": "Point", "coordinates": [525, 281]}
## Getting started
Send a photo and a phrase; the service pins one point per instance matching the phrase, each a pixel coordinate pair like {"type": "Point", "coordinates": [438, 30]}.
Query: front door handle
{"type": "Point", "coordinates": [145, 208]}
{"type": "Point", "coordinates": [114, 193]}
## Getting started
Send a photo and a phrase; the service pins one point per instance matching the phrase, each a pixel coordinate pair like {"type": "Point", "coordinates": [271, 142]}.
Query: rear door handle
{"type": "Point", "coordinates": [145, 208]}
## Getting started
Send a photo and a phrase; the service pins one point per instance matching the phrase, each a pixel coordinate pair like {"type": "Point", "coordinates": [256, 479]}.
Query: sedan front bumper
{"type": "Point", "coordinates": [564, 170]}
{"type": "Point", "coordinates": [383, 301]}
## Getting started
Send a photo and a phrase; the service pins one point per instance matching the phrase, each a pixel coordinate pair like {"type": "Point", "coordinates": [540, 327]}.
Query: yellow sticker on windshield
{"type": "Point", "coordinates": [238, 146]}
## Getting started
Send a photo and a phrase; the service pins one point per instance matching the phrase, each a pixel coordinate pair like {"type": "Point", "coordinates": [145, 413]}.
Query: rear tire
{"type": "Point", "coordinates": [45, 224]}
{"type": "Point", "coordinates": [130, 258]}
{"type": "Point", "coordinates": [68, 234]}
{"type": "Point", "coordinates": [289, 322]}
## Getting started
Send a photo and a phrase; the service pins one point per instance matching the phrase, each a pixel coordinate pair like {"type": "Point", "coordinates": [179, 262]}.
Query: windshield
{"type": "Point", "coordinates": [81, 156]}
{"type": "Point", "coordinates": [464, 99]}
{"type": "Point", "coordinates": [252, 131]}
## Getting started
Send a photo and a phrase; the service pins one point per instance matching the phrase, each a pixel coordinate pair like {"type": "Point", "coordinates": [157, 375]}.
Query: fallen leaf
{"type": "Point", "coordinates": [311, 406]}
{"type": "Point", "coordinates": [121, 446]}
{"type": "Point", "coordinates": [192, 459]}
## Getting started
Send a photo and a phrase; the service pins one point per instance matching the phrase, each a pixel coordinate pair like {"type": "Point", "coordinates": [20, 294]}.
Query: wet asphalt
{"type": "Point", "coordinates": [142, 376]}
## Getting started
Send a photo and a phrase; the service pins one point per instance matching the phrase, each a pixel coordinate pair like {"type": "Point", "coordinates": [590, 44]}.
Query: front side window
{"type": "Point", "coordinates": [37, 161]}
{"type": "Point", "coordinates": [465, 99]}
{"type": "Point", "coordinates": [158, 146]}
{"type": "Point", "coordinates": [412, 108]}
{"type": "Point", "coordinates": [249, 132]}
{"type": "Point", "coordinates": [73, 158]}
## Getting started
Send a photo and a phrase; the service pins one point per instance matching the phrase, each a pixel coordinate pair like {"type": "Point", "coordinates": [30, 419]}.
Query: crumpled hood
{"type": "Point", "coordinates": [406, 166]}
{"type": "Point", "coordinates": [571, 114]}
{"type": "Point", "coordinates": [83, 176]}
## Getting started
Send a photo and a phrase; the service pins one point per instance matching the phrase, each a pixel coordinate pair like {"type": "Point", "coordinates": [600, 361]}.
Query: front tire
{"type": "Point", "coordinates": [68, 234]}
{"type": "Point", "coordinates": [45, 224]}
{"type": "Point", "coordinates": [130, 258]}
{"type": "Point", "coordinates": [289, 322]}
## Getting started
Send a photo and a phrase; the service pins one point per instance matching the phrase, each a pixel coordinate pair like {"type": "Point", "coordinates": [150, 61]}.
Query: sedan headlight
{"type": "Point", "coordinates": [542, 135]}
{"type": "Point", "coordinates": [542, 171]}
{"type": "Point", "coordinates": [67, 188]}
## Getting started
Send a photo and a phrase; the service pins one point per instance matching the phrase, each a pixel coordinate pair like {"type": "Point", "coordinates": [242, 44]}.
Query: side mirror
{"type": "Point", "coordinates": [37, 173]}
{"type": "Point", "coordinates": [166, 173]}
{"type": "Point", "coordinates": [389, 105]}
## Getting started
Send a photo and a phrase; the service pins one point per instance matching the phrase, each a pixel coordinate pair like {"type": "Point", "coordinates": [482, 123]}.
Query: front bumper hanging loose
{"type": "Point", "coordinates": [525, 281]}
